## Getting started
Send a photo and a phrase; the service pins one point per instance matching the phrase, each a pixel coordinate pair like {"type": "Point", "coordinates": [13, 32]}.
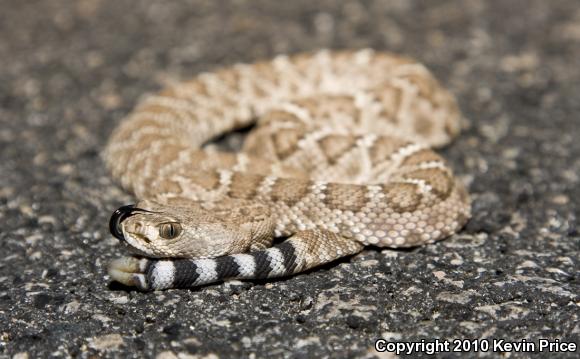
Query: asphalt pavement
{"type": "Point", "coordinates": [69, 72]}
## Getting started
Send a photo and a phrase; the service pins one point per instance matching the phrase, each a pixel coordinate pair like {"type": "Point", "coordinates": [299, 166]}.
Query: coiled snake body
{"type": "Point", "coordinates": [340, 159]}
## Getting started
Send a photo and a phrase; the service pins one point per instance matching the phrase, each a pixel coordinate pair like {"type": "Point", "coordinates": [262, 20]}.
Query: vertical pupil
{"type": "Point", "coordinates": [169, 230]}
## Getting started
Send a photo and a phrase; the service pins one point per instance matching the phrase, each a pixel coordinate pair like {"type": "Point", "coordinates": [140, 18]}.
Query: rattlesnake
{"type": "Point", "coordinates": [340, 160]}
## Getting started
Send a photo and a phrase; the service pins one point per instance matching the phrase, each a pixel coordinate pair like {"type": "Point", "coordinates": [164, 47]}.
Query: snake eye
{"type": "Point", "coordinates": [169, 230]}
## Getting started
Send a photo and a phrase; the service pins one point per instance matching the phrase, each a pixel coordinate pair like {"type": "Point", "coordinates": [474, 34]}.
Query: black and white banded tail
{"type": "Point", "coordinates": [306, 249]}
{"type": "Point", "coordinates": [157, 274]}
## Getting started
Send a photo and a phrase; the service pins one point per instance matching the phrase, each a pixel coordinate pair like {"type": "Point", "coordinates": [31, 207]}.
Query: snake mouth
{"type": "Point", "coordinates": [121, 214]}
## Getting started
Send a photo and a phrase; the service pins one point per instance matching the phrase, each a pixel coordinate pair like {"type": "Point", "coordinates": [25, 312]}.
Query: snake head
{"type": "Point", "coordinates": [140, 226]}
{"type": "Point", "coordinates": [186, 230]}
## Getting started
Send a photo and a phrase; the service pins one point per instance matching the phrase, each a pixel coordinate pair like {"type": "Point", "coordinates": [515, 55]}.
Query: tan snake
{"type": "Point", "coordinates": [340, 159]}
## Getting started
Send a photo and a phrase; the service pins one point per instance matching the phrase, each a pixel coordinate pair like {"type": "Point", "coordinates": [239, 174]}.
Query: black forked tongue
{"type": "Point", "coordinates": [119, 216]}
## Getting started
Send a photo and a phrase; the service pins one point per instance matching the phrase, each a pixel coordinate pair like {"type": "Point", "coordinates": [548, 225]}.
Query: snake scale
{"type": "Point", "coordinates": [340, 158]}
